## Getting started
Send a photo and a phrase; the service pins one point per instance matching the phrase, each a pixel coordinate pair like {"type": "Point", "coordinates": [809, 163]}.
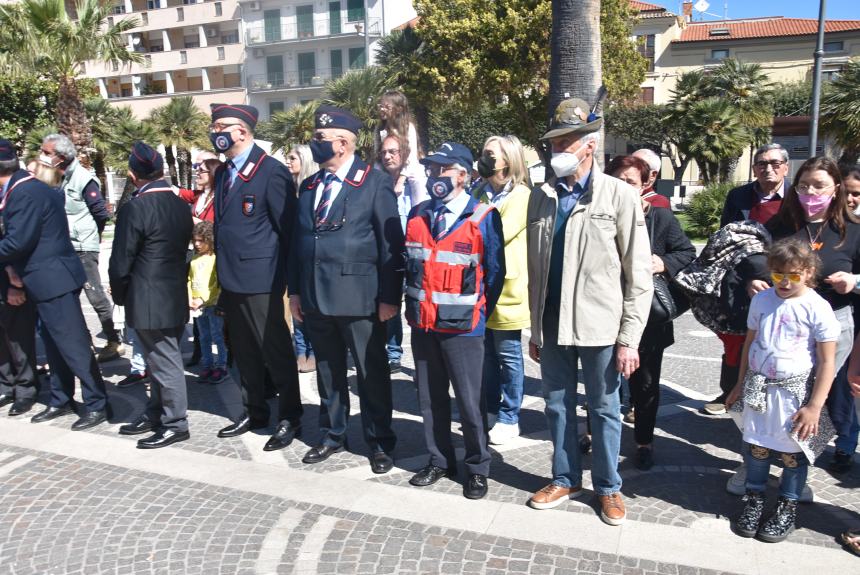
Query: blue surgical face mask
{"type": "Point", "coordinates": [440, 188]}
{"type": "Point", "coordinates": [222, 141]}
{"type": "Point", "coordinates": [322, 151]}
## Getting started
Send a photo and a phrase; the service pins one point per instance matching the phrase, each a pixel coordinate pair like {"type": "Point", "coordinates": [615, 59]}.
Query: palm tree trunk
{"type": "Point", "coordinates": [127, 190]}
{"type": "Point", "coordinates": [101, 171]}
{"type": "Point", "coordinates": [183, 160]}
{"type": "Point", "coordinates": [575, 69]}
{"type": "Point", "coordinates": [72, 118]}
{"type": "Point", "coordinates": [171, 164]}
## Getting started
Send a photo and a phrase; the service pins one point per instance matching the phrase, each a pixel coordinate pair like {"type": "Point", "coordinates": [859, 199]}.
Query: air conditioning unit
{"type": "Point", "coordinates": [254, 6]}
{"type": "Point", "coordinates": [258, 53]}
{"type": "Point", "coordinates": [211, 33]}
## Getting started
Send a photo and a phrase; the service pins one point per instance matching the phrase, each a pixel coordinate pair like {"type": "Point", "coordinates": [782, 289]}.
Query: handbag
{"type": "Point", "coordinates": [669, 299]}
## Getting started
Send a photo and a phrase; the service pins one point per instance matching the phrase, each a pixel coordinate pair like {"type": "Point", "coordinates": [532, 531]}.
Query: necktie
{"type": "Point", "coordinates": [439, 223]}
{"type": "Point", "coordinates": [325, 198]}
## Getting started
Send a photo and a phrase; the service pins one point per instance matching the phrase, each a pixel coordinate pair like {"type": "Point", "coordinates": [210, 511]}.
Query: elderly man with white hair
{"type": "Point", "coordinates": [647, 192]}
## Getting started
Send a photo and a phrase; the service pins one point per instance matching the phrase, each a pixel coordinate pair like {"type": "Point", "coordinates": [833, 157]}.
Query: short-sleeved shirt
{"type": "Point", "coordinates": [787, 332]}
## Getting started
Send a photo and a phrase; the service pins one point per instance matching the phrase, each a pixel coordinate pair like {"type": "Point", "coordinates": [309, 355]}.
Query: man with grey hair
{"type": "Point", "coordinates": [648, 193]}
{"type": "Point", "coordinates": [87, 216]}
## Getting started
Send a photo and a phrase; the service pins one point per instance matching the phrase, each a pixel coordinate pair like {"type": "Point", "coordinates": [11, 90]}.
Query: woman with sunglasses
{"type": "Point", "coordinates": [816, 210]}
{"type": "Point", "coordinates": [202, 197]}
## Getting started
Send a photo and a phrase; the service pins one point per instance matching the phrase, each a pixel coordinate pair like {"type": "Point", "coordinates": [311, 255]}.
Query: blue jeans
{"type": "Point", "coordinates": [503, 375]}
{"type": "Point", "coordinates": [211, 329]}
{"type": "Point", "coordinates": [559, 375]}
{"type": "Point", "coordinates": [794, 470]}
{"type": "Point", "coordinates": [303, 343]}
{"type": "Point", "coordinates": [138, 363]}
{"type": "Point", "coordinates": [394, 335]}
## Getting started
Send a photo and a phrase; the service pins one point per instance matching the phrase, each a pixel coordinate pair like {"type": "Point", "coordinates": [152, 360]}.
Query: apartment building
{"type": "Point", "coordinates": [293, 47]}
{"type": "Point", "coordinates": [189, 47]}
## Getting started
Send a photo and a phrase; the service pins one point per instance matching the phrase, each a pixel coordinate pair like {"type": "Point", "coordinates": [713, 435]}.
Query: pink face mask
{"type": "Point", "coordinates": [814, 204]}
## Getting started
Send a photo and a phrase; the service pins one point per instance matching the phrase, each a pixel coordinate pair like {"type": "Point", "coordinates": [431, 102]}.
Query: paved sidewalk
{"type": "Point", "coordinates": [89, 502]}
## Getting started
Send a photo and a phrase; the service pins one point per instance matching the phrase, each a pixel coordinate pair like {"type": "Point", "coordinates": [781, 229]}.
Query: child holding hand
{"type": "Point", "coordinates": [203, 291]}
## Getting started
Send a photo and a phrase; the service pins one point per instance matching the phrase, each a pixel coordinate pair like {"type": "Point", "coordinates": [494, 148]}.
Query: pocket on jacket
{"type": "Point", "coordinates": [457, 317]}
{"type": "Point", "coordinates": [357, 269]}
{"type": "Point", "coordinates": [603, 221]}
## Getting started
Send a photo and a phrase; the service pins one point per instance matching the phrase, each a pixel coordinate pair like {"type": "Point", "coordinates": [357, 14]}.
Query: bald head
{"type": "Point", "coordinates": [654, 163]}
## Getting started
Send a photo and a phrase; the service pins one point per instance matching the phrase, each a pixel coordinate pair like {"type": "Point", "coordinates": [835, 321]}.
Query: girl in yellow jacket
{"type": "Point", "coordinates": [203, 290]}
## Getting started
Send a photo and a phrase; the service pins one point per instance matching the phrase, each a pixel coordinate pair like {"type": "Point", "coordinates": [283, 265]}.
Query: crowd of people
{"type": "Point", "coordinates": [590, 261]}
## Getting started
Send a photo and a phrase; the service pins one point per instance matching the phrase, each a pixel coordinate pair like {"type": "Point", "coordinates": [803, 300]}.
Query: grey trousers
{"type": "Point", "coordinates": [168, 396]}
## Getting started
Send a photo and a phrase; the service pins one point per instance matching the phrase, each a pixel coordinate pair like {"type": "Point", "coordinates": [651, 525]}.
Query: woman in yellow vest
{"type": "Point", "coordinates": [507, 187]}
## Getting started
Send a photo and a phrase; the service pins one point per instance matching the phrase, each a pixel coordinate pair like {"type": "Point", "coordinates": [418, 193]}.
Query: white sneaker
{"type": "Point", "coordinates": [503, 432]}
{"type": "Point", "coordinates": [737, 482]}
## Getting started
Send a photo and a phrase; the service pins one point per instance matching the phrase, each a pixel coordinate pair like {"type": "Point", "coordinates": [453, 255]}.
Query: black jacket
{"type": "Point", "coordinates": [147, 269]}
{"type": "Point", "coordinates": [741, 200]}
{"type": "Point", "coordinates": [355, 261]}
{"type": "Point", "coordinates": [36, 239]}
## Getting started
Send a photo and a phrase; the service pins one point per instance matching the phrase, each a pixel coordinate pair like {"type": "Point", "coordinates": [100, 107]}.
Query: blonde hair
{"type": "Point", "coordinates": [309, 167]}
{"type": "Point", "coordinates": [47, 174]}
{"type": "Point", "coordinates": [514, 157]}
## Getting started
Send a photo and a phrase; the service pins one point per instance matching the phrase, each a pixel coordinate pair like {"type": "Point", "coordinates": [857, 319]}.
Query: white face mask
{"type": "Point", "coordinates": [564, 163]}
{"type": "Point", "coordinates": [47, 160]}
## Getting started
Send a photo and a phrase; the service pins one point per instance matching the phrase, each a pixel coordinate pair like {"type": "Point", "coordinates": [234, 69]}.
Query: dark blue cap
{"type": "Point", "coordinates": [144, 159]}
{"type": "Point", "coordinates": [450, 153]}
{"type": "Point", "coordinates": [7, 151]}
{"type": "Point", "coordinates": [247, 114]}
{"type": "Point", "coordinates": [328, 116]}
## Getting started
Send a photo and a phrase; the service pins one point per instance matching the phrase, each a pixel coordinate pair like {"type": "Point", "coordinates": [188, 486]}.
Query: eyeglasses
{"type": "Point", "coordinates": [202, 172]}
{"type": "Point", "coordinates": [221, 127]}
{"type": "Point", "coordinates": [777, 277]}
{"type": "Point", "coordinates": [805, 190]}
{"type": "Point", "coordinates": [775, 164]}
{"type": "Point", "coordinates": [391, 152]}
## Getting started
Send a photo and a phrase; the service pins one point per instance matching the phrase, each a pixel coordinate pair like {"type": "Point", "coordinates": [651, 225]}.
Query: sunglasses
{"type": "Point", "coordinates": [777, 277]}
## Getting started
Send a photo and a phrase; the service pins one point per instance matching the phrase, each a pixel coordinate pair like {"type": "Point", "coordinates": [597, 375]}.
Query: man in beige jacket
{"type": "Point", "coordinates": [590, 291]}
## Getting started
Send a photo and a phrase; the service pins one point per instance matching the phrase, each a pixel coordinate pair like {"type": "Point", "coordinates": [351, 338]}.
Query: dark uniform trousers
{"type": "Point", "coordinates": [168, 396]}
{"type": "Point", "coordinates": [332, 337]}
{"type": "Point", "coordinates": [440, 359]}
{"type": "Point", "coordinates": [70, 354]}
{"type": "Point", "coordinates": [260, 340]}
{"type": "Point", "coordinates": [18, 351]}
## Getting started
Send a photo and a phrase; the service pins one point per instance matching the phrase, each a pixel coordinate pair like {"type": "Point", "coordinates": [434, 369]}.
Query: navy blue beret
{"type": "Point", "coordinates": [7, 151]}
{"type": "Point", "coordinates": [144, 159]}
{"type": "Point", "coordinates": [248, 114]}
{"type": "Point", "coordinates": [328, 116]}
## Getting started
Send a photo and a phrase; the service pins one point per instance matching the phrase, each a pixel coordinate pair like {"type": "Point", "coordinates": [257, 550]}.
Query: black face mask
{"type": "Point", "coordinates": [221, 141]}
{"type": "Point", "coordinates": [322, 152]}
{"type": "Point", "coordinates": [486, 166]}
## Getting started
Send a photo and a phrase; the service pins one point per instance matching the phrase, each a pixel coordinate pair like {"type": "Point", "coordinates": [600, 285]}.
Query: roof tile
{"type": "Point", "coordinates": [762, 28]}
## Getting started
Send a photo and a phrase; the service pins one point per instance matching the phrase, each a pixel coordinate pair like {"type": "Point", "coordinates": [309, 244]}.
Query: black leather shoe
{"type": "Point", "coordinates": [476, 487]}
{"type": "Point", "coordinates": [140, 425]}
{"type": "Point", "coordinates": [244, 425]}
{"type": "Point", "coordinates": [132, 379]}
{"type": "Point", "coordinates": [162, 438]}
{"type": "Point", "coordinates": [430, 475]}
{"type": "Point", "coordinates": [89, 420]}
{"type": "Point", "coordinates": [21, 406]}
{"type": "Point", "coordinates": [381, 462]}
{"type": "Point", "coordinates": [6, 399]}
{"type": "Point", "coordinates": [321, 453]}
{"type": "Point", "coordinates": [284, 435]}
{"type": "Point", "coordinates": [50, 413]}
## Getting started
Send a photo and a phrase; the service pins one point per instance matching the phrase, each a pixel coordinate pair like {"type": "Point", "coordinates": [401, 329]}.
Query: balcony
{"type": "Point", "coordinates": [173, 60]}
{"type": "Point", "coordinates": [259, 33]}
{"type": "Point", "coordinates": [182, 15]}
{"type": "Point", "coordinates": [293, 80]}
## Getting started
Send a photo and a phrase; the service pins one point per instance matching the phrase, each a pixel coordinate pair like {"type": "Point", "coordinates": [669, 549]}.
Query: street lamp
{"type": "Point", "coordinates": [816, 83]}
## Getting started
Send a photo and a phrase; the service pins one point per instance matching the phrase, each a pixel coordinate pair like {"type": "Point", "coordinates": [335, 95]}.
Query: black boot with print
{"type": "Point", "coordinates": [781, 523]}
{"type": "Point", "coordinates": [748, 523]}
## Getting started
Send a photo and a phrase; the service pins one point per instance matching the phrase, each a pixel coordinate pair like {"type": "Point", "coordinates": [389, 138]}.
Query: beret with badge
{"type": "Point", "coordinates": [144, 159]}
{"type": "Point", "coordinates": [248, 114]}
{"type": "Point", "coordinates": [327, 116]}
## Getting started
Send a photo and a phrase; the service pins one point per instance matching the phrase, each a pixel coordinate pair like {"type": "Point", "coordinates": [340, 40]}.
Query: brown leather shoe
{"type": "Point", "coordinates": [612, 508]}
{"type": "Point", "coordinates": [553, 495]}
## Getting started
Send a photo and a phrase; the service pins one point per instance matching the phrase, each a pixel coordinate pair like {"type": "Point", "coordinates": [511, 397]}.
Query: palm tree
{"type": "Point", "coordinates": [126, 132]}
{"type": "Point", "coordinates": [575, 67]}
{"type": "Point", "coordinates": [180, 123]}
{"type": "Point", "coordinates": [840, 112]}
{"type": "Point", "coordinates": [358, 92]}
{"type": "Point", "coordinates": [289, 128]}
{"type": "Point", "coordinates": [51, 42]}
{"type": "Point", "coordinates": [715, 132]}
{"type": "Point", "coordinates": [103, 118]}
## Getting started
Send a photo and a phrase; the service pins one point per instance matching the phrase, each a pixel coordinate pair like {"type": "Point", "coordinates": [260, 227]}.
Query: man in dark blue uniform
{"type": "Point", "coordinates": [345, 282]}
{"type": "Point", "coordinates": [36, 242]}
{"type": "Point", "coordinates": [147, 276]}
{"type": "Point", "coordinates": [254, 212]}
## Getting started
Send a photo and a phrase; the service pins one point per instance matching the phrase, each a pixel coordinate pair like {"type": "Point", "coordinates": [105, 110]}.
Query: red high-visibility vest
{"type": "Point", "coordinates": [444, 277]}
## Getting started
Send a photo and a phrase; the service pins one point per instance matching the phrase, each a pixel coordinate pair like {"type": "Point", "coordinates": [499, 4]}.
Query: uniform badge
{"type": "Point", "coordinates": [325, 120]}
{"type": "Point", "coordinates": [222, 143]}
{"type": "Point", "coordinates": [249, 202]}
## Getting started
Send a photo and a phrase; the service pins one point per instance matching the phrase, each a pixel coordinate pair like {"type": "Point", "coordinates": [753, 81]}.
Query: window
{"type": "Point", "coordinates": [152, 4]}
{"type": "Point", "coordinates": [220, 52]}
{"type": "Point", "coordinates": [831, 74]}
{"type": "Point", "coordinates": [230, 37]}
{"type": "Point", "coordinates": [275, 107]}
{"type": "Point", "coordinates": [354, 10]}
{"type": "Point", "coordinates": [356, 58]}
{"type": "Point", "coordinates": [646, 48]}
{"type": "Point", "coordinates": [180, 14]}
{"type": "Point", "coordinates": [305, 20]}
{"type": "Point", "coordinates": [647, 96]}
{"type": "Point", "coordinates": [834, 46]}
{"type": "Point", "coordinates": [114, 66]}
{"type": "Point", "coordinates": [307, 67]}
{"type": "Point", "coordinates": [83, 68]}
{"type": "Point", "coordinates": [110, 20]}
{"type": "Point", "coordinates": [336, 61]}
{"type": "Point", "coordinates": [156, 48]}
{"type": "Point", "coordinates": [272, 25]}
{"type": "Point", "coordinates": [192, 42]}
{"type": "Point", "coordinates": [719, 54]}
{"type": "Point", "coordinates": [147, 61]}
{"type": "Point", "coordinates": [334, 17]}
{"type": "Point", "coordinates": [183, 57]}
{"type": "Point", "coordinates": [219, 10]}
{"type": "Point", "coordinates": [145, 19]}
{"type": "Point", "coordinates": [275, 70]}
{"type": "Point", "coordinates": [126, 92]}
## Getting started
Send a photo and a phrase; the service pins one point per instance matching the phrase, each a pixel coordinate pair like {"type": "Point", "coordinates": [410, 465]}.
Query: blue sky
{"type": "Point", "coordinates": [836, 9]}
